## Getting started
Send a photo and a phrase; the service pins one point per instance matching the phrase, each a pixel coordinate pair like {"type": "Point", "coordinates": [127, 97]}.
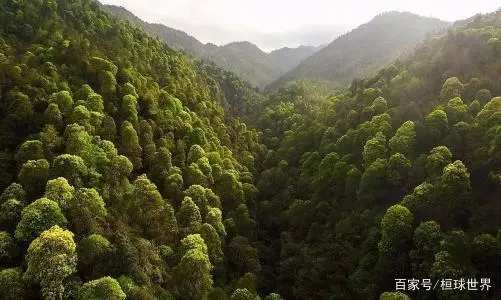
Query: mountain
{"type": "Point", "coordinates": [243, 58]}
{"type": "Point", "coordinates": [125, 175]}
{"type": "Point", "coordinates": [289, 57]}
{"type": "Point", "coordinates": [246, 60]}
{"type": "Point", "coordinates": [364, 49]}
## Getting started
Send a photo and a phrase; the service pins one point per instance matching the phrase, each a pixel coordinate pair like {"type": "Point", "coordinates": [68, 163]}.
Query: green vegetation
{"type": "Point", "coordinates": [123, 172]}
{"type": "Point", "coordinates": [127, 171]}
{"type": "Point", "coordinates": [395, 177]}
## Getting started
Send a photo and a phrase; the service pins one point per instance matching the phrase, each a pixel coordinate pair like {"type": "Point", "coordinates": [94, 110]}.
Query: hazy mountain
{"type": "Point", "coordinates": [365, 48]}
{"type": "Point", "coordinates": [175, 38]}
{"type": "Point", "coordinates": [288, 57]}
{"type": "Point", "coordinates": [243, 58]}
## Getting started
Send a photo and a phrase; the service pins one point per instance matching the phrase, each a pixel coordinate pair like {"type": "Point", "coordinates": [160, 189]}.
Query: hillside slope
{"type": "Point", "coordinates": [364, 49]}
{"type": "Point", "coordinates": [121, 175]}
{"type": "Point", "coordinates": [396, 177]}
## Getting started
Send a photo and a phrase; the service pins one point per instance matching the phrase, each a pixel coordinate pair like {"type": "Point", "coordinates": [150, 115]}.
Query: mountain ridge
{"type": "Point", "coordinates": [360, 50]}
{"type": "Point", "coordinates": [243, 58]}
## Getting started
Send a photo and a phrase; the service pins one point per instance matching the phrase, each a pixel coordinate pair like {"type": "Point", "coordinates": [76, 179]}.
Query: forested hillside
{"type": "Point", "coordinates": [364, 49]}
{"type": "Point", "coordinates": [121, 175]}
{"type": "Point", "coordinates": [396, 177]}
{"type": "Point", "coordinates": [243, 58]}
{"type": "Point", "coordinates": [129, 170]}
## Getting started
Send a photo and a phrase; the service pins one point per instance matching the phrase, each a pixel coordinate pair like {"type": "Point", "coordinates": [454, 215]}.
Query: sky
{"type": "Point", "coordinates": [272, 24]}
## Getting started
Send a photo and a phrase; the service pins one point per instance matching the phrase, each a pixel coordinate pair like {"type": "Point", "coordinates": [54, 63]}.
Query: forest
{"type": "Point", "coordinates": [130, 170]}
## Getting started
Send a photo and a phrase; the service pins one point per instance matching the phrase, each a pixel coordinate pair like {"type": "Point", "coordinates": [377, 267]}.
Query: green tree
{"type": "Point", "coordinates": [213, 242]}
{"type": "Point", "coordinates": [421, 201]}
{"type": "Point", "coordinates": [215, 218]}
{"type": "Point", "coordinates": [372, 179]}
{"type": "Point", "coordinates": [12, 285]}
{"type": "Point", "coordinates": [147, 143]}
{"type": "Point", "coordinates": [453, 257]}
{"type": "Point", "coordinates": [427, 237]}
{"type": "Point", "coordinates": [129, 142]}
{"type": "Point", "coordinates": [161, 164]}
{"type": "Point", "coordinates": [53, 115]}
{"type": "Point", "coordinates": [193, 278]}
{"type": "Point", "coordinates": [8, 248]}
{"type": "Point", "coordinates": [396, 233]}
{"type": "Point", "coordinates": [455, 193]}
{"type": "Point", "coordinates": [393, 296]}
{"type": "Point", "coordinates": [13, 191]}
{"type": "Point", "coordinates": [243, 294]}
{"type": "Point", "coordinates": [37, 217]}
{"type": "Point", "coordinates": [197, 194]}
{"type": "Point", "coordinates": [374, 149]}
{"type": "Point", "coordinates": [485, 254]}
{"type": "Point", "coordinates": [93, 252]}
{"type": "Point", "coordinates": [63, 100]}
{"type": "Point", "coordinates": [438, 158]}
{"type": "Point", "coordinates": [87, 211]}
{"type": "Point", "coordinates": [21, 108]}
{"type": "Point", "coordinates": [50, 139]}
{"type": "Point", "coordinates": [30, 150]}
{"type": "Point", "coordinates": [129, 109]}
{"type": "Point", "coordinates": [244, 257]}
{"type": "Point", "coordinates": [452, 88]}
{"type": "Point", "coordinates": [10, 214]}
{"type": "Point", "coordinates": [404, 139]}
{"type": "Point", "coordinates": [483, 96]}
{"type": "Point", "coordinates": [102, 288]}
{"type": "Point", "coordinates": [396, 230]}
{"type": "Point", "coordinates": [71, 167]}
{"type": "Point", "coordinates": [273, 296]}
{"type": "Point", "coordinates": [33, 176]}
{"type": "Point", "coordinates": [60, 191]}
{"type": "Point", "coordinates": [196, 152]}
{"type": "Point", "coordinates": [51, 258]}
{"type": "Point", "coordinates": [77, 140]}
{"type": "Point", "coordinates": [398, 168]}
{"type": "Point", "coordinates": [151, 213]}
{"type": "Point", "coordinates": [189, 216]}
{"type": "Point", "coordinates": [436, 126]}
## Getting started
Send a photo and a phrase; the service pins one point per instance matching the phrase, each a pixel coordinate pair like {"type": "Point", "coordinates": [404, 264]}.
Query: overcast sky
{"type": "Point", "coordinates": [277, 23]}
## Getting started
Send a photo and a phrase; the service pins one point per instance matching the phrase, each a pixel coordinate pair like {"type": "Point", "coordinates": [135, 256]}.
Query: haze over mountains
{"type": "Point", "coordinates": [243, 58]}
{"type": "Point", "coordinates": [356, 53]}
{"type": "Point", "coordinates": [366, 48]}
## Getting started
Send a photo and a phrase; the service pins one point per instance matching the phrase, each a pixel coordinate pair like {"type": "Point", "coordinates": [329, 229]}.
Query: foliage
{"type": "Point", "coordinates": [134, 148]}
{"type": "Point", "coordinates": [102, 288]}
{"type": "Point", "coordinates": [51, 259]}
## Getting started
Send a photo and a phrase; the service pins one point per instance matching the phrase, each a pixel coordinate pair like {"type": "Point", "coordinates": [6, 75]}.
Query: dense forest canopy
{"type": "Point", "coordinates": [121, 173]}
{"type": "Point", "coordinates": [129, 170]}
{"type": "Point", "coordinates": [396, 177]}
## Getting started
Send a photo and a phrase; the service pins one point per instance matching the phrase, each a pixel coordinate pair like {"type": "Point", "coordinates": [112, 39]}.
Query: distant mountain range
{"type": "Point", "coordinates": [354, 54]}
{"type": "Point", "coordinates": [364, 49]}
{"type": "Point", "coordinates": [243, 58]}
